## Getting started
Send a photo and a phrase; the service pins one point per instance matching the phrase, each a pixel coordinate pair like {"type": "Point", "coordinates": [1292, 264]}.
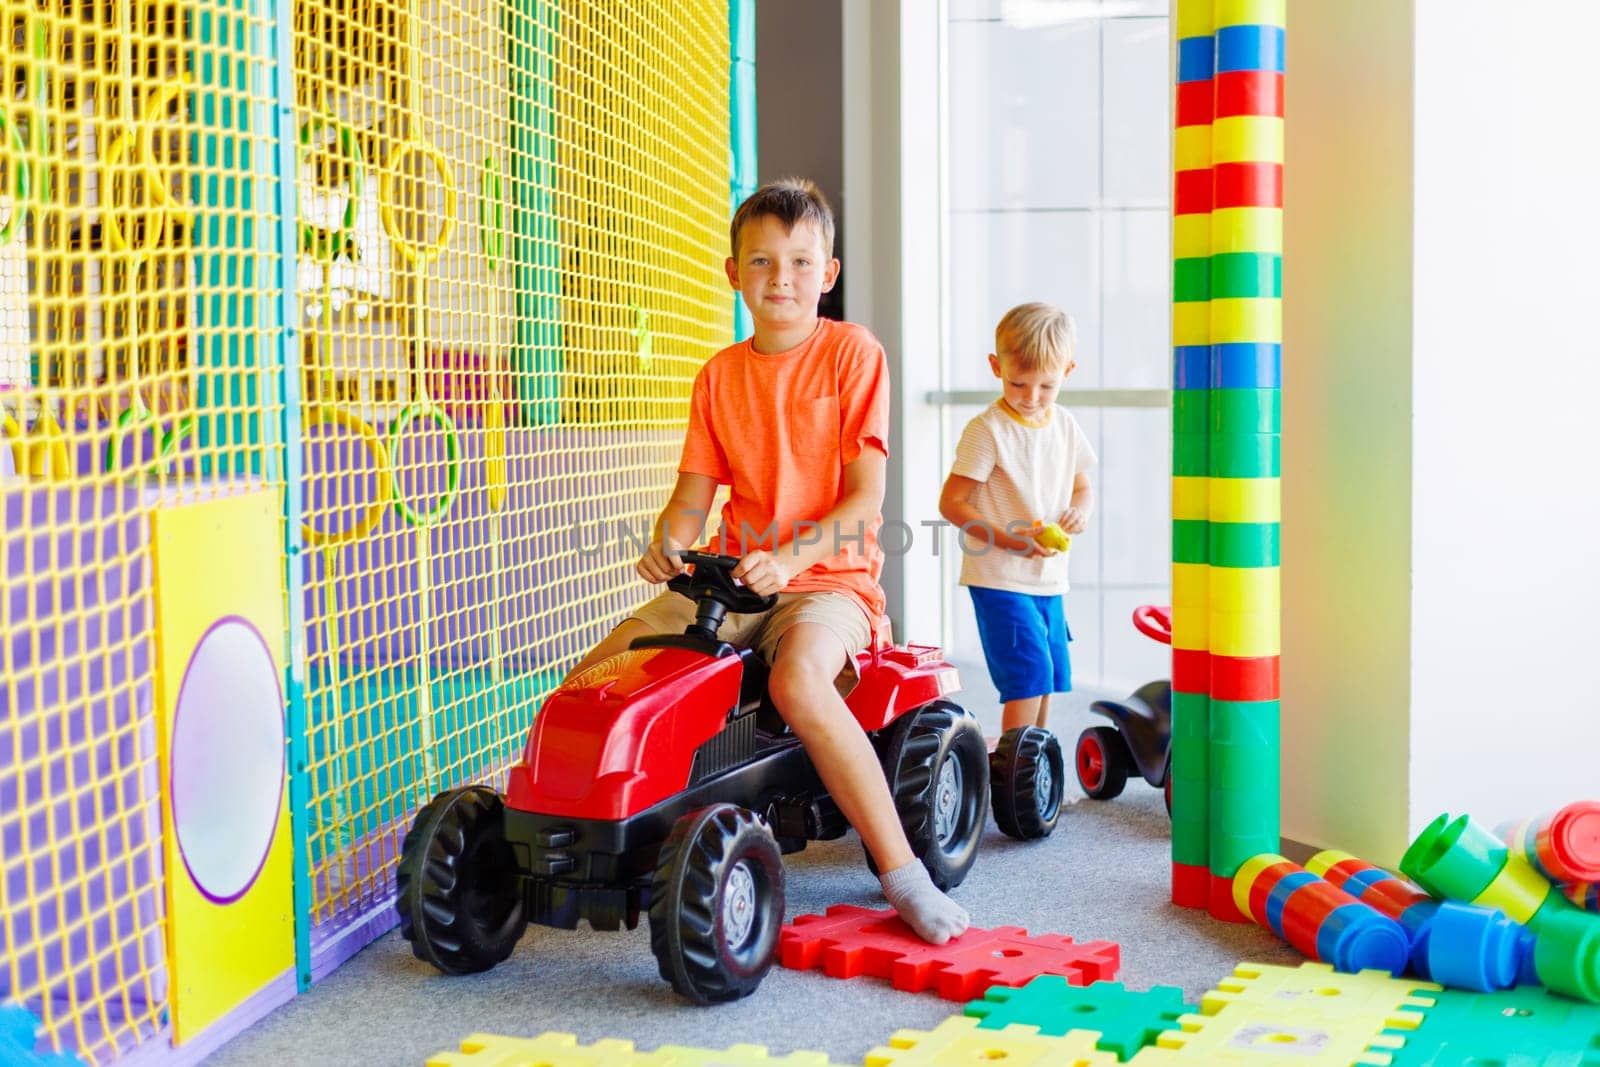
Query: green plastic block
{"type": "Point", "coordinates": [1522, 1027]}
{"type": "Point", "coordinates": [1190, 454]}
{"type": "Point", "coordinates": [1243, 455]}
{"type": "Point", "coordinates": [1191, 411]}
{"type": "Point", "coordinates": [1191, 280]}
{"type": "Point", "coordinates": [1240, 544]}
{"type": "Point", "coordinates": [1246, 410]}
{"type": "Point", "coordinates": [1245, 274]}
{"type": "Point", "coordinates": [1190, 541]}
{"type": "Point", "coordinates": [1127, 1021]}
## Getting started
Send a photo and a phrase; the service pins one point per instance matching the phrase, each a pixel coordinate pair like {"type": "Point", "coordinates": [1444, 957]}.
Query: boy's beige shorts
{"type": "Point", "coordinates": [671, 612]}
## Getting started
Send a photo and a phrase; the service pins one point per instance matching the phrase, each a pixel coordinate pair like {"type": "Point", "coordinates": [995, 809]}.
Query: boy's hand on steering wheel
{"type": "Point", "coordinates": [660, 561]}
{"type": "Point", "coordinates": [763, 573]}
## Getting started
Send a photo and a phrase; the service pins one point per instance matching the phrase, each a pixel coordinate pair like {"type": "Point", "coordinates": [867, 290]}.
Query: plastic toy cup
{"type": "Point", "coordinates": [1564, 846]}
{"type": "Point", "coordinates": [1567, 955]}
{"type": "Point", "coordinates": [1477, 948]}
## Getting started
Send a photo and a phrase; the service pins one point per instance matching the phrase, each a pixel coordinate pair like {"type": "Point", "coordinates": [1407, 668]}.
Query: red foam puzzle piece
{"type": "Point", "coordinates": [849, 941]}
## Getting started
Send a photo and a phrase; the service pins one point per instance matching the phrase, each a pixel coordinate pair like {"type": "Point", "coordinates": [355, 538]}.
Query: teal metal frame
{"type": "Point", "coordinates": [281, 310]}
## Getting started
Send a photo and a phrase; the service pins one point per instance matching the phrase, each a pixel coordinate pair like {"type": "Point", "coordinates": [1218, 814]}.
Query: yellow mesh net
{"type": "Point", "coordinates": [504, 320]}
{"type": "Point", "coordinates": [509, 230]}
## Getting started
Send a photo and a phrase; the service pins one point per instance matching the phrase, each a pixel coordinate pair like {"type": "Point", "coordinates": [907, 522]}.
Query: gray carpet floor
{"type": "Point", "coordinates": [1102, 875]}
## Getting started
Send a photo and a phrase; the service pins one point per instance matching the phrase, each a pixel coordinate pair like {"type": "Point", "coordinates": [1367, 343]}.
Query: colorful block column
{"type": "Point", "coordinates": [1191, 363]}
{"type": "Point", "coordinates": [1244, 502]}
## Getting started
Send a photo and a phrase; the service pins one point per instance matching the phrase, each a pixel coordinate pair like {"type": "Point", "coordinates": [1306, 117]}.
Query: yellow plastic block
{"type": "Point", "coordinates": [1191, 322]}
{"type": "Point", "coordinates": [1244, 320]}
{"type": "Point", "coordinates": [1191, 585]}
{"type": "Point", "coordinates": [1191, 236]}
{"type": "Point", "coordinates": [1244, 500]}
{"type": "Point", "coordinates": [1194, 18]}
{"type": "Point", "coordinates": [1246, 635]}
{"type": "Point", "coordinates": [959, 1040]}
{"type": "Point", "coordinates": [1247, 1034]}
{"type": "Point", "coordinates": [1244, 590]}
{"type": "Point", "coordinates": [1326, 860]}
{"type": "Point", "coordinates": [1250, 12]}
{"type": "Point", "coordinates": [550, 1049]}
{"type": "Point", "coordinates": [1247, 139]}
{"type": "Point", "coordinates": [1317, 991]}
{"type": "Point", "coordinates": [1191, 148]}
{"type": "Point", "coordinates": [1191, 628]}
{"type": "Point", "coordinates": [1191, 498]}
{"type": "Point", "coordinates": [1246, 876]}
{"type": "Point", "coordinates": [1244, 229]}
{"type": "Point", "coordinates": [1518, 890]}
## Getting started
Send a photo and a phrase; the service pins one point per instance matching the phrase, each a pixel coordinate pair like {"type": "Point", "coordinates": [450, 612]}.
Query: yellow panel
{"type": "Point", "coordinates": [1247, 139]}
{"type": "Point", "coordinates": [215, 559]}
{"type": "Point", "coordinates": [1191, 236]}
{"type": "Point", "coordinates": [1245, 229]}
{"type": "Point", "coordinates": [1245, 500]}
{"type": "Point", "coordinates": [1244, 589]}
{"type": "Point", "coordinates": [1189, 498]}
{"type": "Point", "coordinates": [1192, 148]}
{"type": "Point", "coordinates": [1191, 323]}
{"type": "Point", "coordinates": [1246, 320]}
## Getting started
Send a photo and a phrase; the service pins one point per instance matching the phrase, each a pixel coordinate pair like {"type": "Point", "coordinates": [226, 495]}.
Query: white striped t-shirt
{"type": "Point", "coordinates": [1026, 473]}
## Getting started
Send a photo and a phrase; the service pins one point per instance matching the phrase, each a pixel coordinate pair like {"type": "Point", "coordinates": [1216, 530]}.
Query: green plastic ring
{"type": "Point", "coordinates": [24, 178]}
{"type": "Point", "coordinates": [436, 414]}
{"type": "Point", "coordinates": [134, 418]}
{"type": "Point", "coordinates": [350, 147]}
{"type": "Point", "coordinates": [489, 235]}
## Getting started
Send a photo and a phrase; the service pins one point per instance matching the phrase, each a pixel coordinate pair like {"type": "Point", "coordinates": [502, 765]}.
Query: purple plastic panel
{"type": "Point", "coordinates": [79, 814]}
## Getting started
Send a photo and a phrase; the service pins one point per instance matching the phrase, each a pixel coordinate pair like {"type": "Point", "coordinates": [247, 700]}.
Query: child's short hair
{"type": "Point", "coordinates": [790, 201]}
{"type": "Point", "coordinates": [1036, 337]}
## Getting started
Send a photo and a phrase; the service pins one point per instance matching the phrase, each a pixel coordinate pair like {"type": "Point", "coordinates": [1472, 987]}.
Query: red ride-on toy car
{"type": "Point", "coordinates": [663, 781]}
{"type": "Point", "coordinates": [1141, 740]}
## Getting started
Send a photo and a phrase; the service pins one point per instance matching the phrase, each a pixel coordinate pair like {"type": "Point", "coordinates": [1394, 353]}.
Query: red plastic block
{"type": "Point", "coordinates": [850, 941]}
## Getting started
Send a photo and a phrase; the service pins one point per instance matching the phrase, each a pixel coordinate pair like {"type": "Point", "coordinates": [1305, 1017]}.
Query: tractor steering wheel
{"type": "Point", "coordinates": [713, 580]}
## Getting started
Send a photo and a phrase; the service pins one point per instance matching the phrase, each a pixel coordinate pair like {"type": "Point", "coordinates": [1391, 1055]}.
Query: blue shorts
{"type": "Point", "coordinates": [1024, 641]}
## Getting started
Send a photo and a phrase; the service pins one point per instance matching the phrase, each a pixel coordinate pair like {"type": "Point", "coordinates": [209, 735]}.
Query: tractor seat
{"type": "Point", "coordinates": [1146, 721]}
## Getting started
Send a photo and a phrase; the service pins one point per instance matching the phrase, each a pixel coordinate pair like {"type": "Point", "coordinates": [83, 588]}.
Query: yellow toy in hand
{"type": "Point", "coordinates": [1051, 535]}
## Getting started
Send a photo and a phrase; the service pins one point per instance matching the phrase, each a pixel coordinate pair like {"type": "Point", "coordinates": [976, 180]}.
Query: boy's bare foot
{"type": "Point", "coordinates": [935, 917]}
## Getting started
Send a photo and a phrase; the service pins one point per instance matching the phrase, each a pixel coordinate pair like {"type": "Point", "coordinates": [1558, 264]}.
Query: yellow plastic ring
{"type": "Point", "coordinates": [380, 460]}
{"type": "Point", "coordinates": [153, 109]}
{"type": "Point", "coordinates": [115, 235]}
{"type": "Point", "coordinates": [416, 255]}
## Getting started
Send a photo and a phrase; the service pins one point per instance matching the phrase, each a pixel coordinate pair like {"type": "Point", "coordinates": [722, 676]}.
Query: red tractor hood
{"type": "Point", "coordinates": [621, 736]}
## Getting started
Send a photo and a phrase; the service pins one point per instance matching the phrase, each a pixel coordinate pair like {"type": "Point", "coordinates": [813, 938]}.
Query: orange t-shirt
{"type": "Point", "coordinates": [779, 429]}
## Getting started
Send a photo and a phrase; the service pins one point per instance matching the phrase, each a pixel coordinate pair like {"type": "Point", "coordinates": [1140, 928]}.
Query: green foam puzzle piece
{"type": "Point", "coordinates": [1126, 1020]}
{"type": "Point", "coordinates": [1522, 1027]}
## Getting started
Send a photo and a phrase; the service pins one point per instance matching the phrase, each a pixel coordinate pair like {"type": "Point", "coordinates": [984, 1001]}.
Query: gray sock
{"type": "Point", "coordinates": [935, 917]}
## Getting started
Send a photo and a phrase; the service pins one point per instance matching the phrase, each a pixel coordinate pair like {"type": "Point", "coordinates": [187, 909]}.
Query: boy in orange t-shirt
{"type": "Point", "coordinates": [795, 421]}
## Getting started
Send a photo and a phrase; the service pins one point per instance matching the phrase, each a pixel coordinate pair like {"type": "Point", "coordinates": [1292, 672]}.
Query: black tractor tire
{"type": "Point", "coordinates": [1102, 761]}
{"type": "Point", "coordinates": [937, 764]}
{"type": "Point", "coordinates": [1027, 782]}
{"type": "Point", "coordinates": [460, 894]}
{"type": "Point", "coordinates": [716, 904]}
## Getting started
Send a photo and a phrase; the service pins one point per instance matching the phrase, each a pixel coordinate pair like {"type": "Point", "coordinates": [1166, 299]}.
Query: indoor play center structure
{"type": "Point", "coordinates": [324, 325]}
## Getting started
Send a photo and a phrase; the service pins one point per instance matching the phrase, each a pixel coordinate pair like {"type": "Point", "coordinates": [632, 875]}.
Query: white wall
{"type": "Point", "coordinates": [1441, 365]}
{"type": "Point", "coordinates": [1346, 548]}
{"type": "Point", "coordinates": [1505, 703]}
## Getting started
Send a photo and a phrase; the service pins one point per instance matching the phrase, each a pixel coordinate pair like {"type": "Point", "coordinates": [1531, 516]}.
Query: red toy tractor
{"type": "Point", "coordinates": [662, 781]}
